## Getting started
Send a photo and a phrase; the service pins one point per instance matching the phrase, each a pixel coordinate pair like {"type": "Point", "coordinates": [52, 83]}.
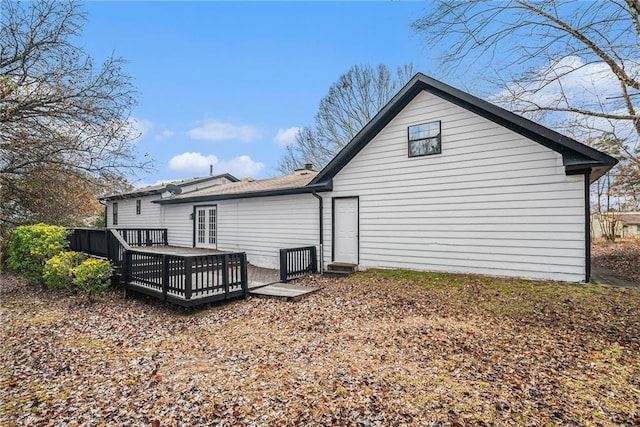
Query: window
{"type": "Point", "coordinates": [138, 206]}
{"type": "Point", "coordinates": [201, 225]}
{"type": "Point", "coordinates": [212, 226]}
{"type": "Point", "coordinates": [425, 139]}
{"type": "Point", "coordinates": [115, 213]}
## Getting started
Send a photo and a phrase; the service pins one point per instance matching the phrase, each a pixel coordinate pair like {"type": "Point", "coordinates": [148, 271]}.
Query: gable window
{"type": "Point", "coordinates": [424, 139]}
{"type": "Point", "coordinates": [114, 212]}
{"type": "Point", "coordinates": [138, 206]}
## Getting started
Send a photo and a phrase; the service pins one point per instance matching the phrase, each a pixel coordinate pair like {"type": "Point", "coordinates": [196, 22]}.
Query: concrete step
{"type": "Point", "coordinates": [342, 267]}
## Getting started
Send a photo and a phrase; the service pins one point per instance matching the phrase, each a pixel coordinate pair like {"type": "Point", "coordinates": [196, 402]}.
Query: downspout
{"type": "Point", "coordinates": [587, 225]}
{"type": "Point", "coordinates": [321, 231]}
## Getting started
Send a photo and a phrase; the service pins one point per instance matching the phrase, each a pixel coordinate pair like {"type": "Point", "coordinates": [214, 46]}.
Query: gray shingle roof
{"type": "Point", "coordinates": [249, 186]}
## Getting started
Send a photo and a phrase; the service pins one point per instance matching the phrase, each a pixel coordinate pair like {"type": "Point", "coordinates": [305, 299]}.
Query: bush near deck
{"type": "Point", "coordinates": [37, 253]}
{"type": "Point", "coordinates": [31, 246]}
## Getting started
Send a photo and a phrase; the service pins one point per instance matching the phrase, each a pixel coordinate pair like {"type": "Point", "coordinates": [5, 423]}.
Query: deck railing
{"type": "Point", "coordinates": [102, 242]}
{"type": "Point", "coordinates": [187, 279]}
{"type": "Point", "coordinates": [296, 262]}
{"type": "Point", "coordinates": [144, 236]}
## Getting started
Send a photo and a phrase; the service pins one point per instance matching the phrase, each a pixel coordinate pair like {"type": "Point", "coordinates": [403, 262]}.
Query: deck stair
{"type": "Point", "coordinates": [340, 269]}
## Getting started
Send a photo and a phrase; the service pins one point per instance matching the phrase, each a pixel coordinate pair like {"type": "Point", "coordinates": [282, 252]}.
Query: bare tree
{"type": "Point", "coordinates": [574, 65]}
{"type": "Point", "coordinates": [350, 104]}
{"type": "Point", "coordinates": [59, 113]}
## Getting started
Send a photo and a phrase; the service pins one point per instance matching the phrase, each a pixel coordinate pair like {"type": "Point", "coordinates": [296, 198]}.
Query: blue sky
{"type": "Point", "coordinates": [231, 80]}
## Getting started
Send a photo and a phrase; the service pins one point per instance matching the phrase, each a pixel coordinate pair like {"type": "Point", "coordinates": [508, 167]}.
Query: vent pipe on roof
{"type": "Point", "coordinates": [308, 166]}
{"type": "Point", "coordinates": [210, 170]}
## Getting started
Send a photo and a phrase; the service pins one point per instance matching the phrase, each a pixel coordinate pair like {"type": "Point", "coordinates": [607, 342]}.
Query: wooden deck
{"type": "Point", "coordinates": [185, 276]}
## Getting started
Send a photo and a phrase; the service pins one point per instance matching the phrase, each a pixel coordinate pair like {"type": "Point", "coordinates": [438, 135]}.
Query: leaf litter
{"type": "Point", "coordinates": [379, 348]}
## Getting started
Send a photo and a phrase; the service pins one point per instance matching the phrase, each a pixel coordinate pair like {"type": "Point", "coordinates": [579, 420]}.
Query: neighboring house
{"type": "Point", "coordinates": [439, 180]}
{"type": "Point", "coordinates": [627, 224]}
{"type": "Point", "coordinates": [136, 208]}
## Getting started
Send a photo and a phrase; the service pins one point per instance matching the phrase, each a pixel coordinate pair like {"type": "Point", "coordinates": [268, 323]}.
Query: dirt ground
{"type": "Point", "coordinates": [621, 257]}
{"type": "Point", "coordinates": [379, 348]}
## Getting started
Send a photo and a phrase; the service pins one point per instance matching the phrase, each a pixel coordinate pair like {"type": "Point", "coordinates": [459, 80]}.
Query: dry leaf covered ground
{"type": "Point", "coordinates": [379, 348]}
{"type": "Point", "coordinates": [621, 257]}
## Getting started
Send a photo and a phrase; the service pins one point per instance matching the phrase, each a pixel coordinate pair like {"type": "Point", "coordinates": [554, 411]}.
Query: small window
{"type": "Point", "coordinates": [138, 206]}
{"type": "Point", "coordinates": [424, 139]}
{"type": "Point", "coordinates": [115, 213]}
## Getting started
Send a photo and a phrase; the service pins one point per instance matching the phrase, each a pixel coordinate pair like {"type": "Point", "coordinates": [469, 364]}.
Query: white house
{"type": "Point", "coordinates": [136, 208]}
{"type": "Point", "coordinates": [439, 180]}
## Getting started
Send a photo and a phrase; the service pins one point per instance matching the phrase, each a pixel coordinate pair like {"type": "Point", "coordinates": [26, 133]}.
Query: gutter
{"type": "Point", "coordinates": [587, 226]}
{"type": "Point", "coordinates": [320, 200]}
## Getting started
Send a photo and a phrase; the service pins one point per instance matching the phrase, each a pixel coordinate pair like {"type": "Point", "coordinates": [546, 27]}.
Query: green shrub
{"type": "Point", "coordinates": [92, 277]}
{"type": "Point", "coordinates": [32, 245]}
{"type": "Point", "coordinates": [58, 271]}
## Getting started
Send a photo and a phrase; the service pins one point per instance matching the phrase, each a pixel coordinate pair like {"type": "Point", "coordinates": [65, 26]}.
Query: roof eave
{"type": "Point", "coordinates": [571, 150]}
{"type": "Point", "coordinates": [245, 195]}
{"type": "Point", "coordinates": [136, 194]}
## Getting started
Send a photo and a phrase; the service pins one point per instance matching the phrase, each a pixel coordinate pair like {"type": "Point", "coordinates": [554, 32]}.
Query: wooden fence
{"type": "Point", "coordinates": [296, 262]}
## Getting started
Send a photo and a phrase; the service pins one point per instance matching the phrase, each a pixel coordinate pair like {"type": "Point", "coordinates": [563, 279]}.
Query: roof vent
{"type": "Point", "coordinates": [248, 179]}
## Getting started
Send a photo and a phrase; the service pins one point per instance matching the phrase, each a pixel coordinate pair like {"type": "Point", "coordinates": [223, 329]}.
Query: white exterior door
{"type": "Point", "coordinates": [346, 230]}
{"type": "Point", "coordinates": [206, 222]}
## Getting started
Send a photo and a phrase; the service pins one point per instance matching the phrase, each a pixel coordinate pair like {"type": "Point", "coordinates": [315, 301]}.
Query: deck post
{"type": "Point", "coordinates": [165, 237]}
{"type": "Point", "coordinates": [165, 276]}
{"type": "Point", "coordinates": [244, 276]}
{"type": "Point", "coordinates": [314, 260]}
{"type": "Point", "coordinates": [187, 277]}
{"type": "Point", "coordinates": [283, 265]}
{"type": "Point", "coordinates": [107, 236]}
{"type": "Point", "coordinates": [126, 269]}
{"type": "Point", "coordinates": [225, 275]}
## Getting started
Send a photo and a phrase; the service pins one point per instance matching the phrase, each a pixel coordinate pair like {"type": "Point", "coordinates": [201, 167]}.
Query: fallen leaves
{"type": "Point", "coordinates": [621, 257]}
{"type": "Point", "coordinates": [379, 348]}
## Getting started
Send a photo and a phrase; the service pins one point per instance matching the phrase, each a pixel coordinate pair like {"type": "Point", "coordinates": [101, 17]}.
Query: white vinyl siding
{"type": "Point", "coordinates": [258, 226]}
{"type": "Point", "coordinates": [150, 216]}
{"type": "Point", "coordinates": [262, 226]}
{"type": "Point", "coordinates": [178, 221]}
{"type": "Point", "coordinates": [493, 202]}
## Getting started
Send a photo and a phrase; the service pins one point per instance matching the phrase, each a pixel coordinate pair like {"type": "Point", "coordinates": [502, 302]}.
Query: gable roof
{"type": "Point", "coordinates": [161, 188]}
{"type": "Point", "coordinates": [576, 157]}
{"type": "Point", "coordinates": [282, 185]}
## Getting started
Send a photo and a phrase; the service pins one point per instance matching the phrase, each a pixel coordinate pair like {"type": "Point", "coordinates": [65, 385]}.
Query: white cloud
{"type": "Point", "coordinates": [164, 135]}
{"type": "Point", "coordinates": [192, 162]}
{"type": "Point", "coordinates": [241, 166]}
{"type": "Point", "coordinates": [140, 127]}
{"type": "Point", "coordinates": [286, 137]}
{"type": "Point", "coordinates": [571, 82]}
{"type": "Point", "coordinates": [214, 130]}
{"type": "Point", "coordinates": [197, 164]}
